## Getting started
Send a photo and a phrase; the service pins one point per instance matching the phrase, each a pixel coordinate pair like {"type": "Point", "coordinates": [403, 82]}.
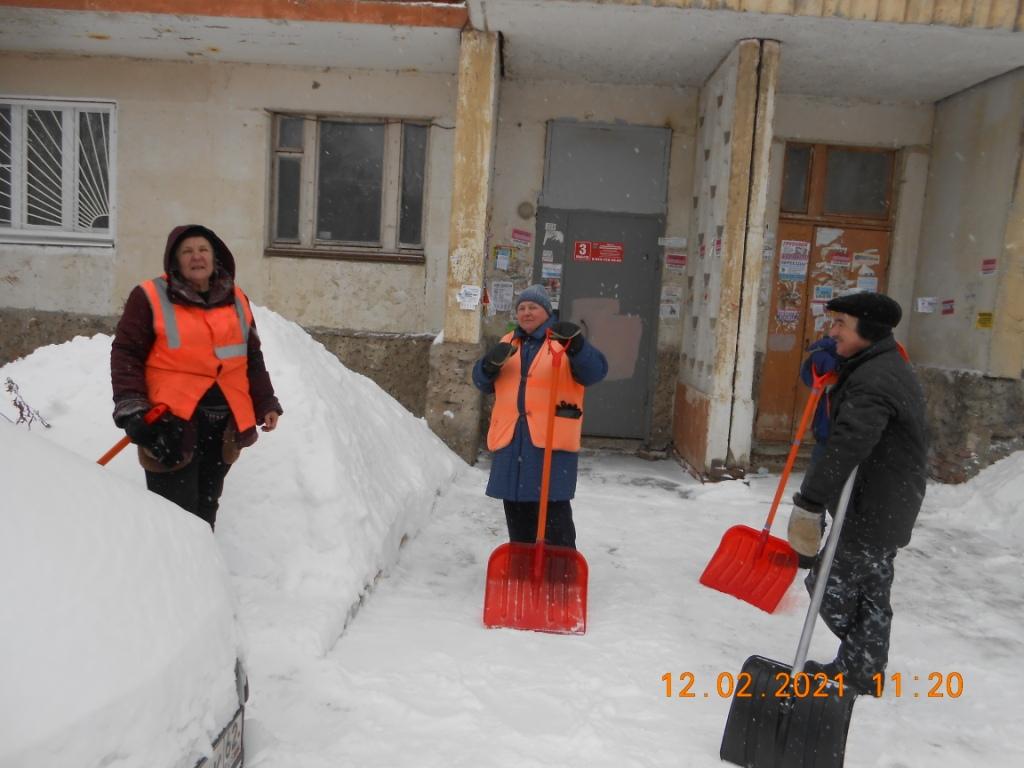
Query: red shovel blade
{"type": "Point", "coordinates": [739, 569]}
{"type": "Point", "coordinates": [514, 598]}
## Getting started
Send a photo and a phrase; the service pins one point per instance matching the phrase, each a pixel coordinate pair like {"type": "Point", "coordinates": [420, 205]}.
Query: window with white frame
{"type": "Point", "coordinates": [348, 188]}
{"type": "Point", "coordinates": [57, 171]}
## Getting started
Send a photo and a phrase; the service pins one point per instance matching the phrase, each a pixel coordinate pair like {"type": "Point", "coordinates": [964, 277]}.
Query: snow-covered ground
{"type": "Point", "coordinates": [313, 513]}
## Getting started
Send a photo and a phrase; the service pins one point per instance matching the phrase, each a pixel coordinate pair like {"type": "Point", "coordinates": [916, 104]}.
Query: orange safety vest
{"type": "Point", "coordinates": [196, 347]}
{"type": "Point", "coordinates": [538, 396]}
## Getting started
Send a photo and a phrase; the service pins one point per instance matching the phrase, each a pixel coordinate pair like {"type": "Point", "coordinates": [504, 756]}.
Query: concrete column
{"type": "Point", "coordinates": [741, 422]}
{"type": "Point", "coordinates": [713, 420]}
{"type": "Point", "coordinates": [453, 403]}
{"type": "Point", "coordinates": [1007, 358]}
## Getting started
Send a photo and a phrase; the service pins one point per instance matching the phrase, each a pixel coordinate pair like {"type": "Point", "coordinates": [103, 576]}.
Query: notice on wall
{"type": "Point", "coordinates": [672, 242]}
{"type": "Point", "coordinates": [927, 305]}
{"type": "Point", "coordinates": [989, 267]}
{"type": "Point", "coordinates": [469, 296]}
{"type": "Point", "coordinates": [718, 247]}
{"type": "Point", "coordinates": [501, 295]}
{"type": "Point", "coordinates": [671, 300]}
{"type": "Point", "coordinates": [983, 320]}
{"type": "Point", "coordinates": [502, 257]}
{"type": "Point", "coordinates": [947, 306]}
{"type": "Point", "coordinates": [522, 237]}
{"type": "Point", "coordinates": [675, 261]}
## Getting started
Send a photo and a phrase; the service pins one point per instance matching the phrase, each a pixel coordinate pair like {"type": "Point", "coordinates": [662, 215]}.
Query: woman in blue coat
{"type": "Point", "coordinates": [518, 458]}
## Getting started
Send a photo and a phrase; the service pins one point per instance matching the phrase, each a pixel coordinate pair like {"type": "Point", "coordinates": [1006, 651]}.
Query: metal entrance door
{"type": "Point", "coordinates": [605, 270]}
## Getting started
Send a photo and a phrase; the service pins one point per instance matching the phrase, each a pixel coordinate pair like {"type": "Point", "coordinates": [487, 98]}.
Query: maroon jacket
{"type": "Point", "coordinates": [135, 335]}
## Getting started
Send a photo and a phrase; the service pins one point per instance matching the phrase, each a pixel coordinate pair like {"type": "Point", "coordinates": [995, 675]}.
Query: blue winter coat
{"type": "Point", "coordinates": [825, 360]}
{"type": "Point", "coordinates": [516, 468]}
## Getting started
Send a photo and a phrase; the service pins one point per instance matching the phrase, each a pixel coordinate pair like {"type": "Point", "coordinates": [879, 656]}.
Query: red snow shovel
{"type": "Point", "coordinates": [538, 586]}
{"type": "Point", "coordinates": [152, 415]}
{"type": "Point", "coordinates": [752, 565]}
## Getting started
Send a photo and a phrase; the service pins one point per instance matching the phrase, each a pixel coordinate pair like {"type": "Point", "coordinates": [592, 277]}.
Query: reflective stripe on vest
{"type": "Point", "coordinates": [505, 414]}
{"type": "Point", "coordinates": [174, 336]}
{"type": "Point", "coordinates": [195, 348]}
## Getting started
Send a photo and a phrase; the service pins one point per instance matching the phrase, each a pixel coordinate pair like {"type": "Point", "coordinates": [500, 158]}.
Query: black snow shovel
{"type": "Point", "coordinates": [780, 716]}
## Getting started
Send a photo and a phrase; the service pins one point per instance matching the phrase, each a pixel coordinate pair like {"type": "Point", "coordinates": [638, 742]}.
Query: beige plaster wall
{"type": "Point", "coordinates": [193, 145]}
{"type": "Point", "coordinates": [523, 112]}
{"type": "Point", "coordinates": [906, 127]}
{"type": "Point", "coordinates": [976, 156]}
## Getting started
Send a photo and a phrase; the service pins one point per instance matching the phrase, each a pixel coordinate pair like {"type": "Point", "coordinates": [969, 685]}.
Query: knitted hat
{"type": "Point", "coordinates": [876, 313]}
{"type": "Point", "coordinates": [538, 295]}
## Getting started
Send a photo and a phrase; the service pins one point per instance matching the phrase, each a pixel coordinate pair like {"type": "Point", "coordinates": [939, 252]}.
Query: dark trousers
{"type": "Point", "coordinates": [521, 517]}
{"type": "Point", "coordinates": [197, 486]}
{"type": "Point", "coordinates": [856, 608]}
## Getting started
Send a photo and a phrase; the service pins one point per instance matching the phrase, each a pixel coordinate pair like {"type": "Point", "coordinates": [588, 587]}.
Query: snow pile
{"type": "Point", "coordinates": [998, 490]}
{"type": "Point", "coordinates": [118, 617]}
{"type": "Point", "coordinates": [309, 518]}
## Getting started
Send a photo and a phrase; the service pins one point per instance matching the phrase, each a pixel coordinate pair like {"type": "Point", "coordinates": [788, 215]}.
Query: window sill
{"type": "Point", "coordinates": [384, 257]}
{"type": "Point", "coordinates": [63, 239]}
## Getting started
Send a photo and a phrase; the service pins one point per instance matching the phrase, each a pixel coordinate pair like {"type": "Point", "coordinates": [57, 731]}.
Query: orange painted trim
{"type": "Point", "coordinates": [406, 13]}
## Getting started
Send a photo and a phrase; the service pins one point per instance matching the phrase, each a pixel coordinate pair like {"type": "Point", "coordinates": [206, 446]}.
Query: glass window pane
{"type": "Point", "coordinates": [5, 165]}
{"type": "Point", "coordinates": [94, 170]}
{"type": "Point", "coordinates": [857, 182]}
{"type": "Point", "coordinates": [289, 132]}
{"type": "Point", "coordinates": [289, 178]}
{"type": "Point", "coordinates": [350, 182]}
{"type": "Point", "coordinates": [45, 159]}
{"type": "Point", "coordinates": [795, 178]}
{"type": "Point", "coordinates": [414, 159]}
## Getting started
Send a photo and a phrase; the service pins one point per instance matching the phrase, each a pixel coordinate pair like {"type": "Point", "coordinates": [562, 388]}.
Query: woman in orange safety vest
{"type": "Point", "coordinates": [518, 371]}
{"type": "Point", "coordinates": [187, 340]}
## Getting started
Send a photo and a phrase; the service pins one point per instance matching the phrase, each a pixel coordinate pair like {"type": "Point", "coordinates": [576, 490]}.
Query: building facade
{"type": "Point", "coordinates": [692, 183]}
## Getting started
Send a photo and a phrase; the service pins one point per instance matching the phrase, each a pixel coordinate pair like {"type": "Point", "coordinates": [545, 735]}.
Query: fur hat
{"type": "Point", "coordinates": [876, 313]}
{"type": "Point", "coordinates": [538, 295]}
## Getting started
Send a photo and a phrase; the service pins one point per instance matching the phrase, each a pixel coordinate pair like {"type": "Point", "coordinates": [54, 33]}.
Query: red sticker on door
{"type": "Point", "coordinates": [614, 252]}
{"type": "Point", "coordinates": [581, 250]}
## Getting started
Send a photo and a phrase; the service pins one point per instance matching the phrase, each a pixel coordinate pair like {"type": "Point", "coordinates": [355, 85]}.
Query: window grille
{"type": "Point", "coordinates": [56, 172]}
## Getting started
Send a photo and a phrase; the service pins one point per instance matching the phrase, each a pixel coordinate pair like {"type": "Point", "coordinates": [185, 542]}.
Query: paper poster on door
{"type": "Point", "coordinates": [823, 293]}
{"type": "Point", "coordinates": [793, 258]}
{"type": "Point", "coordinates": [867, 258]}
{"type": "Point", "coordinates": [551, 270]}
{"type": "Point", "coordinates": [867, 283]}
{"type": "Point", "coordinates": [554, 289]}
{"type": "Point", "coordinates": [551, 233]}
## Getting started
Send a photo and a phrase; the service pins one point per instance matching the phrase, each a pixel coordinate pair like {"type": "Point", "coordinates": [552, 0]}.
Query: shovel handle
{"type": "Point", "coordinates": [818, 384]}
{"type": "Point", "coordinates": [151, 416]}
{"type": "Point", "coordinates": [557, 351]}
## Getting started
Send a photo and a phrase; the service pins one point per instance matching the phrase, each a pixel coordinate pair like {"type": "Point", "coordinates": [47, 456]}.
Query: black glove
{"type": "Point", "coordinates": [570, 333]}
{"type": "Point", "coordinates": [162, 439]}
{"type": "Point", "coordinates": [496, 357]}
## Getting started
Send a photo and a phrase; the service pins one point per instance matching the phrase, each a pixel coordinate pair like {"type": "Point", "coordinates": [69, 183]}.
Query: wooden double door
{"type": "Point", "coordinates": [820, 254]}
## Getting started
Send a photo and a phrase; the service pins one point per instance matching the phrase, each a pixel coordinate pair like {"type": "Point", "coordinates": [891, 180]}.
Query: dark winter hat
{"type": "Point", "coordinates": [876, 313]}
{"type": "Point", "coordinates": [538, 295]}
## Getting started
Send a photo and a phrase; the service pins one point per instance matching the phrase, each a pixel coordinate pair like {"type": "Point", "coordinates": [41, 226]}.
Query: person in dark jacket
{"type": "Point", "coordinates": [878, 425]}
{"type": "Point", "coordinates": [519, 370]}
{"type": "Point", "coordinates": [187, 341]}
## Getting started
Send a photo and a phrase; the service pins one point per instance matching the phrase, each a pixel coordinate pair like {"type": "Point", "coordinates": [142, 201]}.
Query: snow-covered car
{"type": "Point", "coordinates": [118, 633]}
